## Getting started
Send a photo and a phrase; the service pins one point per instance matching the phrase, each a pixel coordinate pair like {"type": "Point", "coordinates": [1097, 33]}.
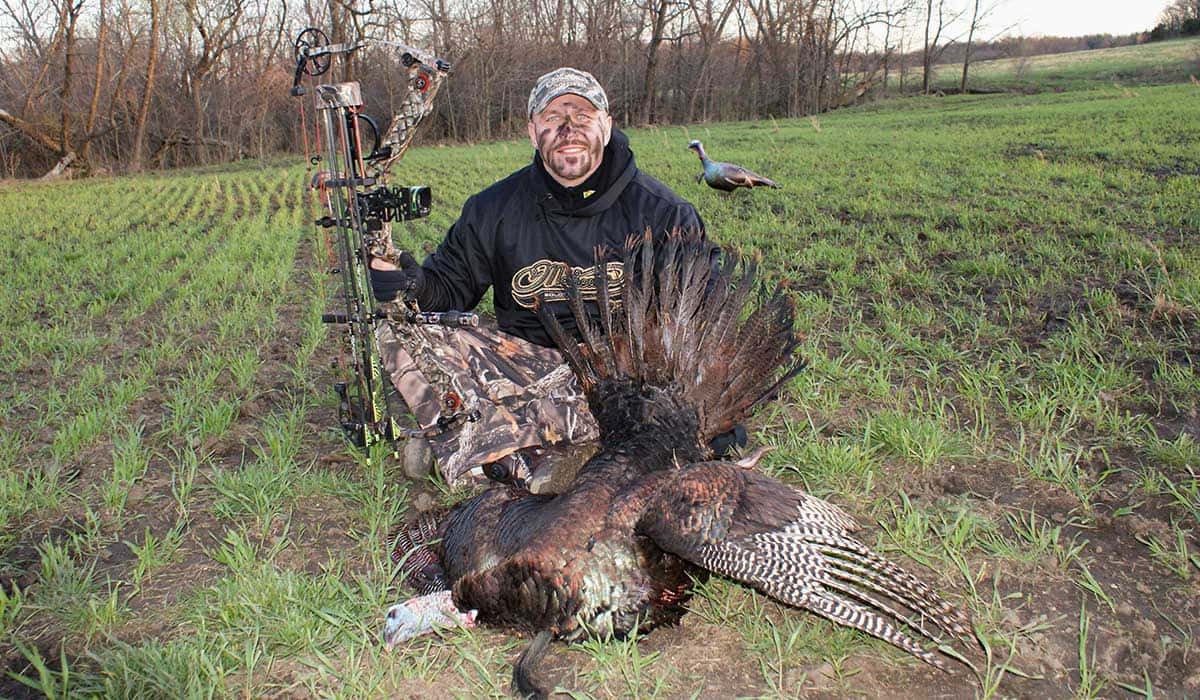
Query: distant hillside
{"type": "Point", "coordinates": [1012, 46]}
{"type": "Point", "coordinates": [1154, 63]}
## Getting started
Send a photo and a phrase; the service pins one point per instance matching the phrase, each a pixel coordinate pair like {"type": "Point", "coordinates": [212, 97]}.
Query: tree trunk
{"type": "Point", "coordinates": [30, 131]}
{"type": "Point", "coordinates": [646, 110]}
{"type": "Point", "coordinates": [927, 52]}
{"type": "Point", "coordinates": [962, 87]}
{"type": "Point", "coordinates": [199, 135]}
{"type": "Point", "coordinates": [72, 19]}
{"type": "Point", "coordinates": [60, 167]}
{"type": "Point", "coordinates": [887, 54]}
{"type": "Point", "coordinates": [139, 133]}
{"type": "Point", "coordinates": [94, 105]}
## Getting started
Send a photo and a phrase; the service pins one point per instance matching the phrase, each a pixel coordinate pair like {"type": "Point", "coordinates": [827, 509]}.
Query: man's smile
{"type": "Point", "coordinates": [571, 149]}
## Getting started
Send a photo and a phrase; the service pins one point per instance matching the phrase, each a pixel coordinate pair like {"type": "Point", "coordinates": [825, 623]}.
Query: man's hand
{"type": "Point", "coordinates": [388, 280]}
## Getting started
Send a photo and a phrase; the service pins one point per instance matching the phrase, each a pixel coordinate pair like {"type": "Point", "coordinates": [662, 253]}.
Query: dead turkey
{"type": "Point", "coordinates": [686, 352]}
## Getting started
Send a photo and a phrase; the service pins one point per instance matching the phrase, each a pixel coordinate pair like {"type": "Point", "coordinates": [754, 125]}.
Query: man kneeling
{"type": "Point", "coordinates": [582, 193]}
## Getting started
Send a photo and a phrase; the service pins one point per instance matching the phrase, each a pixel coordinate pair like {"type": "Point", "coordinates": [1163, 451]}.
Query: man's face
{"type": "Point", "coordinates": [571, 135]}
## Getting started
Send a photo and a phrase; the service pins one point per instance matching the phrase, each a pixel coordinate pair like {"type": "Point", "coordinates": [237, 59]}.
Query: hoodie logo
{"type": "Point", "coordinates": [547, 280]}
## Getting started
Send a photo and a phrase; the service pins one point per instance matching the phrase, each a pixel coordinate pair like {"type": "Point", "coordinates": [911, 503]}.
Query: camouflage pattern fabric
{"type": "Point", "coordinates": [566, 81]}
{"type": "Point", "coordinates": [525, 393]}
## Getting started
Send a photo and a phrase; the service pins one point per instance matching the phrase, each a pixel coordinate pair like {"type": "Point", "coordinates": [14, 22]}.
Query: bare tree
{"type": "Point", "coordinates": [895, 23]}
{"type": "Point", "coordinates": [660, 12]}
{"type": "Point", "coordinates": [70, 11]}
{"type": "Point", "coordinates": [139, 133]}
{"type": "Point", "coordinates": [213, 27]}
{"type": "Point", "coordinates": [97, 81]}
{"type": "Point", "coordinates": [710, 21]}
{"type": "Point", "coordinates": [978, 17]}
{"type": "Point", "coordinates": [36, 52]}
{"type": "Point", "coordinates": [933, 50]}
{"type": "Point", "coordinates": [33, 119]}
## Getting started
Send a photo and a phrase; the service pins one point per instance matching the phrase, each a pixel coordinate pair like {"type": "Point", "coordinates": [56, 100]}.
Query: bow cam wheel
{"type": "Point", "coordinates": [309, 40]}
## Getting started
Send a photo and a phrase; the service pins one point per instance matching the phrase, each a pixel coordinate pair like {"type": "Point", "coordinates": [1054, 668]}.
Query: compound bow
{"type": "Point", "coordinates": [358, 209]}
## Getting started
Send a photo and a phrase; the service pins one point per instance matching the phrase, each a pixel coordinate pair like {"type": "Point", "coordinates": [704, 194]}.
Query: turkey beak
{"type": "Point", "coordinates": [399, 626]}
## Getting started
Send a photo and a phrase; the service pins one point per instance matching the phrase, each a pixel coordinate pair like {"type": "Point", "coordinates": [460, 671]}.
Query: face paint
{"type": "Point", "coordinates": [570, 134]}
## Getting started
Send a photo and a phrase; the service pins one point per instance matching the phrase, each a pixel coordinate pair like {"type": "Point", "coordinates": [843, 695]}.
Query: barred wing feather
{"type": "Point", "coordinates": [796, 548]}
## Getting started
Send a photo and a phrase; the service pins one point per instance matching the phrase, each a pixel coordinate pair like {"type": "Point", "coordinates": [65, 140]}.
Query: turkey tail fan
{"type": "Point", "coordinates": [797, 549]}
{"type": "Point", "coordinates": [639, 256]}
{"type": "Point", "coordinates": [413, 547]}
{"type": "Point", "coordinates": [692, 320]}
{"type": "Point", "coordinates": [594, 346]}
{"type": "Point", "coordinates": [572, 352]}
{"type": "Point", "coordinates": [606, 313]}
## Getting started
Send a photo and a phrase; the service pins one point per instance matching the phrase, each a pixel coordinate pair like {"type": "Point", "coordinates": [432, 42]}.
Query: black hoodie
{"type": "Point", "coordinates": [520, 235]}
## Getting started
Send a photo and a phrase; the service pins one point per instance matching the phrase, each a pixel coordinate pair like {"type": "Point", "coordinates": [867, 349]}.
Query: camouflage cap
{"type": "Point", "coordinates": [566, 81]}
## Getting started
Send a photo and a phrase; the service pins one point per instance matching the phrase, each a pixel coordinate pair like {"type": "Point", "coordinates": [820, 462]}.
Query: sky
{"type": "Point", "coordinates": [1072, 17]}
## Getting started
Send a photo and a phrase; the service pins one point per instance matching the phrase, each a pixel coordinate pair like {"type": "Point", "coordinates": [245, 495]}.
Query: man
{"type": "Point", "coordinates": [582, 193]}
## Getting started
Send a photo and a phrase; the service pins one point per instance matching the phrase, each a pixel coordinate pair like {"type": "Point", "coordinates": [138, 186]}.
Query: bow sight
{"type": "Point", "coordinates": [358, 208]}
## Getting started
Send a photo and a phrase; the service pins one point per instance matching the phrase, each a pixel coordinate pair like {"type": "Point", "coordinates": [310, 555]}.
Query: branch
{"type": "Point", "coordinates": [59, 168]}
{"type": "Point", "coordinates": [30, 131]}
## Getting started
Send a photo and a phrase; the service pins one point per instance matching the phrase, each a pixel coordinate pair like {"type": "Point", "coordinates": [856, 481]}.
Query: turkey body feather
{"type": "Point", "coordinates": [686, 352]}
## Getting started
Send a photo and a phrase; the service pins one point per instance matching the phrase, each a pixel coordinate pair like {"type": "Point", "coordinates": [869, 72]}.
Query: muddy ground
{"type": "Point", "coordinates": [1147, 631]}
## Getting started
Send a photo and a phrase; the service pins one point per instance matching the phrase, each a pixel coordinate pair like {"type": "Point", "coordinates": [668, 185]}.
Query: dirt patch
{"type": "Point", "coordinates": [1176, 168]}
{"type": "Point", "coordinates": [1142, 615]}
{"type": "Point", "coordinates": [1038, 150]}
{"type": "Point", "coordinates": [150, 503]}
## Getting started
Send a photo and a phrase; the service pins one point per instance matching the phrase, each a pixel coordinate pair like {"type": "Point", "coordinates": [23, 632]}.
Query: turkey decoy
{"type": "Point", "coordinates": [682, 356]}
{"type": "Point", "coordinates": [727, 176]}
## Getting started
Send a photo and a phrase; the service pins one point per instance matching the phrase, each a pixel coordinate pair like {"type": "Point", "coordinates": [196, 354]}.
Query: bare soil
{"type": "Point", "coordinates": [1149, 604]}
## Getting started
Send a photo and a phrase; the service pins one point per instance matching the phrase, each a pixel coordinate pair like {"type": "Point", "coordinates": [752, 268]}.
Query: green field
{"type": "Point", "coordinates": [999, 300]}
{"type": "Point", "coordinates": [1158, 63]}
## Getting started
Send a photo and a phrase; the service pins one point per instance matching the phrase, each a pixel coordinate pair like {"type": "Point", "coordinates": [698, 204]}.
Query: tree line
{"type": "Point", "coordinates": [124, 85]}
{"type": "Point", "coordinates": [1180, 18]}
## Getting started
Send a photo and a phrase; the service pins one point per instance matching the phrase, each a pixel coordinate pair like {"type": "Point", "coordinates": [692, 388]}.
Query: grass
{"type": "Point", "coordinates": [999, 300]}
{"type": "Point", "coordinates": [1159, 63]}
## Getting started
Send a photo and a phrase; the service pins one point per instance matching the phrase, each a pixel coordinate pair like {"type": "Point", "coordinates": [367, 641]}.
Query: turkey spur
{"type": "Point", "coordinates": [688, 350]}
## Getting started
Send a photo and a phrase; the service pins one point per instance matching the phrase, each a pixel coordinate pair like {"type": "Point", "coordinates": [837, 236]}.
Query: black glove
{"type": "Point", "coordinates": [386, 284]}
